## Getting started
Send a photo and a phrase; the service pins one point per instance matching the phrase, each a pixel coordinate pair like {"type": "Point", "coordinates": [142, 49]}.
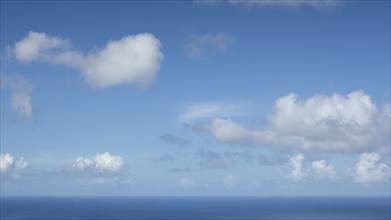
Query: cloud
{"type": "Point", "coordinates": [186, 182]}
{"type": "Point", "coordinates": [316, 4]}
{"type": "Point", "coordinates": [198, 44]}
{"type": "Point", "coordinates": [201, 111]}
{"type": "Point", "coordinates": [230, 181]}
{"type": "Point", "coordinates": [323, 170]}
{"type": "Point", "coordinates": [337, 123]}
{"type": "Point", "coordinates": [21, 89]}
{"type": "Point", "coordinates": [297, 174]}
{"type": "Point", "coordinates": [101, 162]}
{"type": "Point", "coordinates": [11, 166]}
{"type": "Point", "coordinates": [172, 139]}
{"type": "Point", "coordinates": [369, 169]}
{"type": "Point", "coordinates": [210, 159]}
{"type": "Point", "coordinates": [226, 130]}
{"type": "Point", "coordinates": [134, 59]}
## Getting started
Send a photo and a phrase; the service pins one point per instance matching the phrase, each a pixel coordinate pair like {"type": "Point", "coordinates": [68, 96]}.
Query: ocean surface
{"type": "Point", "coordinates": [182, 208]}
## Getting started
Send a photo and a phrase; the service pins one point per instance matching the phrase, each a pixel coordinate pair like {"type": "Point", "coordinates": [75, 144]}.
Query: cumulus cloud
{"type": "Point", "coordinates": [101, 162]}
{"type": "Point", "coordinates": [337, 123]}
{"type": "Point", "coordinates": [297, 174]}
{"type": "Point", "coordinates": [369, 169]}
{"type": "Point", "coordinates": [316, 4]}
{"type": "Point", "coordinates": [134, 59]}
{"type": "Point", "coordinates": [172, 139]}
{"type": "Point", "coordinates": [323, 169]}
{"type": "Point", "coordinates": [10, 165]}
{"type": "Point", "coordinates": [21, 89]}
{"type": "Point", "coordinates": [198, 44]}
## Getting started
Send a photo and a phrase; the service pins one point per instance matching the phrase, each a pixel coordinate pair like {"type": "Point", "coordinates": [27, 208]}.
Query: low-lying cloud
{"type": "Point", "coordinates": [334, 123]}
{"type": "Point", "coordinates": [100, 163]}
{"type": "Point", "coordinates": [11, 166]}
{"type": "Point", "coordinates": [369, 169]}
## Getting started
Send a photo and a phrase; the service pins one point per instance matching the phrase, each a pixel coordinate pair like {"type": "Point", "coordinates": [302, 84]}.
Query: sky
{"type": "Point", "coordinates": [195, 98]}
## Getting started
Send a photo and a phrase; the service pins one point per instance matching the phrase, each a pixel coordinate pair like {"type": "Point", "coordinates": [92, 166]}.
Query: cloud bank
{"type": "Point", "coordinates": [334, 123]}
{"type": "Point", "coordinates": [198, 44]}
{"type": "Point", "coordinates": [100, 163]}
{"type": "Point", "coordinates": [21, 89]}
{"type": "Point", "coordinates": [134, 59]}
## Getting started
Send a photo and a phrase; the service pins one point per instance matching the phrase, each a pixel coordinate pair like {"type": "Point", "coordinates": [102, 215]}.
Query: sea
{"type": "Point", "coordinates": [195, 208]}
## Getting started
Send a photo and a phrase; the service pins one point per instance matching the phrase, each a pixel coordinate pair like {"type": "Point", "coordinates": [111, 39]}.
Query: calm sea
{"type": "Point", "coordinates": [182, 208]}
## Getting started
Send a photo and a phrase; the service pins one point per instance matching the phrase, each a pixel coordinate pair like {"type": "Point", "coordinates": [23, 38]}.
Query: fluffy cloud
{"type": "Point", "coordinates": [369, 169]}
{"type": "Point", "coordinates": [323, 170]}
{"type": "Point", "coordinates": [319, 169]}
{"type": "Point", "coordinates": [316, 4]}
{"type": "Point", "coordinates": [197, 44]}
{"type": "Point", "coordinates": [12, 165]}
{"type": "Point", "coordinates": [101, 162]}
{"type": "Point", "coordinates": [134, 59]}
{"type": "Point", "coordinates": [337, 123]}
{"type": "Point", "coordinates": [297, 173]}
{"type": "Point", "coordinates": [21, 89]}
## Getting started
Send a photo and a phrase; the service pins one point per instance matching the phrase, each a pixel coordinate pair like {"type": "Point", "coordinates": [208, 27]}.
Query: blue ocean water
{"type": "Point", "coordinates": [182, 208]}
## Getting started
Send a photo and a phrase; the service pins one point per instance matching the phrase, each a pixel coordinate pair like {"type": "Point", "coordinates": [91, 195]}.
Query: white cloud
{"type": "Point", "coordinates": [38, 46]}
{"type": "Point", "coordinates": [369, 169]}
{"type": "Point", "coordinates": [297, 174]}
{"type": "Point", "coordinates": [134, 59]}
{"type": "Point", "coordinates": [230, 181]}
{"type": "Point", "coordinates": [210, 110]}
{"type": "Point", "coordinates": [227, 130]}
{"type": "Point", "coordinates": [197, 44]}
{"type": "Point", "coordinates": [337, 123]}
{"type": "Point", "coordinates": [101, 162]}
{"type": "Point", "coordinates": [186, 182]}
{"type": "Point", "coordinates": [323, 170]}
{"type": "Point", "coordinates": [316, 4]}
{"type": "Point", "coordinates": [10, 164]}
{"type": "Point", "coordinates": [21, 89]}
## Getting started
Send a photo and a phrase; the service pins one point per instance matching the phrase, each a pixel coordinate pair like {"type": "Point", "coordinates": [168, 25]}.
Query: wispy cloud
{"type": "Point", "coordinates": [134, 59]}
{"type": "Point", "coordinates": [197, 45]}
{"type": "Point", "coordinates": [208, 110]}
{"type": "Point", "coordinates": [210, 159]}
{"type": "Point", "coordinates": [174, 140]}
{"type": "Point", "coordinates": [21, 89]}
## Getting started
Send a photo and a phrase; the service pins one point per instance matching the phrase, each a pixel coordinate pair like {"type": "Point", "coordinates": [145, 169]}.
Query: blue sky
{"type": "Point", "coordinates": [257, 98]}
